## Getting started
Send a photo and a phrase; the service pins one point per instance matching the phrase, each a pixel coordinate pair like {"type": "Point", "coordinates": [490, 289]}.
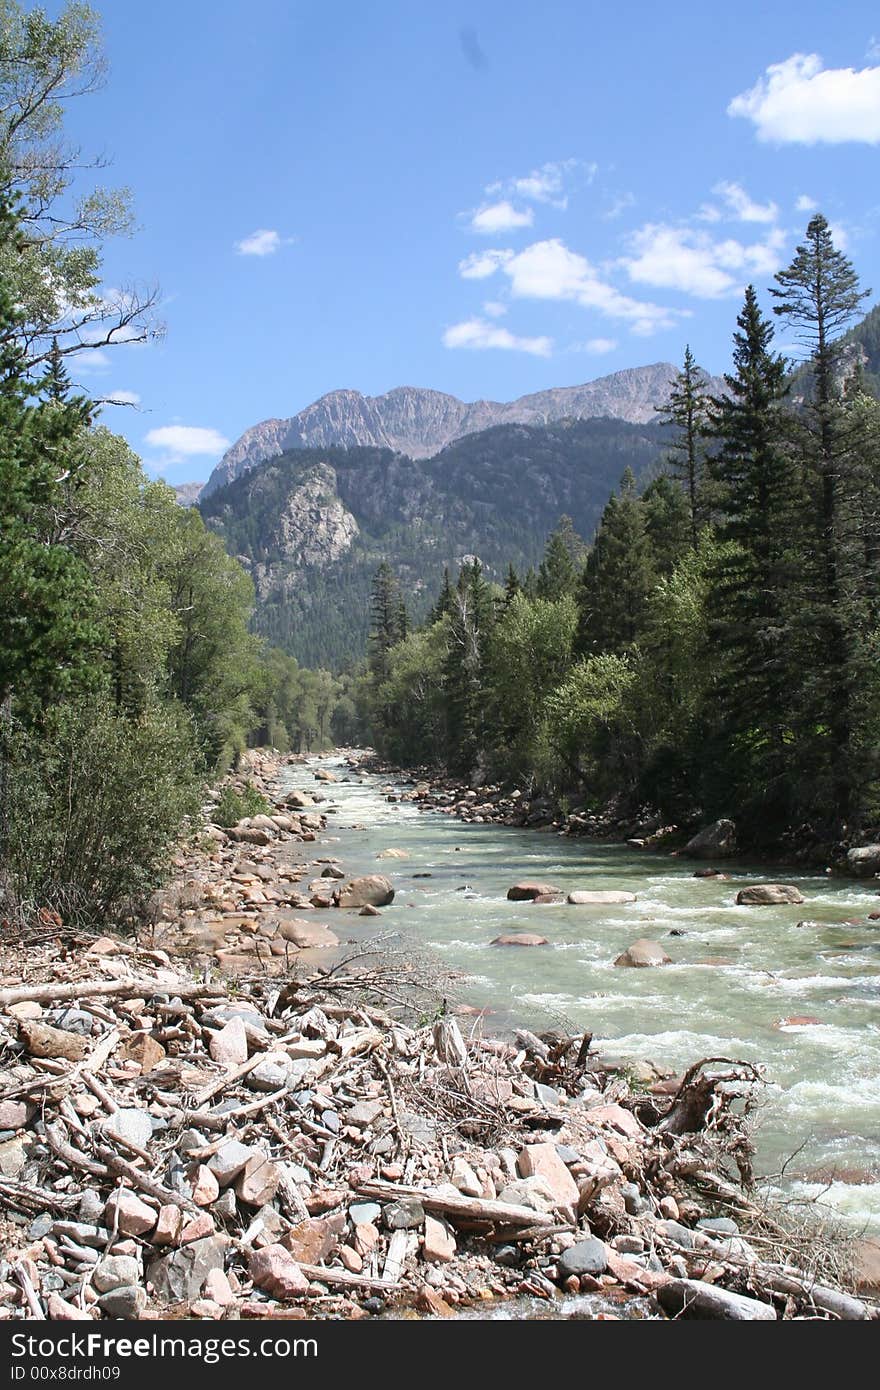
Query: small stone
{"type": "Point", "coordinates": [145, 1051]}
{"type": "Point", "coordinates": [179, 1276]}
{"type": "Point", "coordinates": [406, 1214]}
{"type": "Point", "coordinates": [311, 1241]}
{"type": "Point", "coordinates": [715, 1225]}
{"type": "Point", "coordinates": [198, 1229]}
{"type": "Point", "coordinates": [43, 1041]}
{"type": "Point", "coordinates": [126, 1213]}
{"type": "Point", "coordinates": [258, 1182]}
{"type": "Point", "coordinates": [205, 1187]}
{"type": "Point", "coordinates": [364, 1213]}
{"type": "Point", "coordinates": [229, 1047]}
{"type": "Point", "coordinates": [114, 1271]}
{"type": "Point", "coordinates": [225, 1208]}
{"type": "Point", "coordinates": [14, 1114]}
{"type": "Point", "coordinates": [364, 1113]}
{"type": "Point", "coordinates": [218, 1289]}
{"type": "Point", "coordinates": [439, 1246]}
{"type": "Point", "coordinates": [276, 1271]}
{"type": "Point", "coordinates": [350, 1259]}
{"type": "Point", "coordinates": [168, 1226]}
{"type": "Point", "coordinates": [26, 1009]}
{"type": "Point", "coordinates": [588, 1256]}
{"type": "Point", "coordinates": [669, 1209]}
{"type": "Point", "coordinates": [542, 1160]}
{"type": "Point", "coordinates": [229, 1161]}
{"type": "Point", "coordinates": [465, 1179]}
{"type": "Point", "coordinates": [127, 1302]}
{"type": "Point", "coordinates": [13, 1157]}
{"type": "Point", "coordinates": [133, 1125]}
{"type": "Point", "coordinates": [60, 1310]}
{"type": "Point", "coordinates": [680, 1235]}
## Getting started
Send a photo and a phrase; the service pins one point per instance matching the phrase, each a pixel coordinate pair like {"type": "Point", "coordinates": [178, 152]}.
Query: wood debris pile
{"type": "Point", "coordinates": [286, 1148]}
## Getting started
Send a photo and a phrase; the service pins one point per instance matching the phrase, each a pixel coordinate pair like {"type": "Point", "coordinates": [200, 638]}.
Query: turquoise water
{"type": "Point", "coordinates": [737, 972]}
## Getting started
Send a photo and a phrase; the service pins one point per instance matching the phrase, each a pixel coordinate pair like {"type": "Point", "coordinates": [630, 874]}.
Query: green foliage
{"type": "Point", "coordinates": [95, 805]}
{"type": "Point", "coordinates": [234, 805]}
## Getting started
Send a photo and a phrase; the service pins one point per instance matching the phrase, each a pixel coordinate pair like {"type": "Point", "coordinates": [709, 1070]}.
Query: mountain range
{"type": "Point", "coordinates": [419, 422]}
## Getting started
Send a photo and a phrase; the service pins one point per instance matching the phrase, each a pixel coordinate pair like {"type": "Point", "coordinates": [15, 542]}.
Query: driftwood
{"type": "Point", "coordinates": [702, 1095]}
{"type": "Point", "coordinates": [470, 1208]}
{"type": "Point", "coordinates": [91, 989]}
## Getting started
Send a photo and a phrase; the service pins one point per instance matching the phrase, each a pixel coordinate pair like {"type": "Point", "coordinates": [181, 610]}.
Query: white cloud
{"type": "Point", "coordinates": [494, 309]}
{"type": "Point", "coordinates": [500, 217]}
{"type": "Point", "coordinates": [186, 441]}
{"type": "Point", "coordinates": [549, 270]}
{"type": "Point", "coordinates": [873, 49]}
{"type": "Point", "coordinates": [481, 264]}
{"type": "Point", "coordinates": [598, 346]}
{"type": "Point", "coordinates": [122, 398]}
{"type": "Point", "coordinates": [546, 184]}
{"type": "Point", "coordinates": [742, 207]}
{"type": "Point", "coordinates": [800, 102]}
{"type": "Point", "coordinates": [806, 204]}
{"type": "Point", "coordinates": [689, 260]}
{"type": "Point", "coordinates": [478, 334]}
{"type": "Point", "coordinates": [265, 241]}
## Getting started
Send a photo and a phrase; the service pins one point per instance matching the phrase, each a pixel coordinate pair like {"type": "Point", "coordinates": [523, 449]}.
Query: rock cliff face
{"type": "Point", "coordinates": [313, 525]}
{"type": "Point", "coordinates": [418, 422]}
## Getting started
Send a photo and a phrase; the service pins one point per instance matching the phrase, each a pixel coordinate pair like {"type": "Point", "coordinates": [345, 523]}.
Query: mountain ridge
{"type": "Point", "coordinates": [420, 421]}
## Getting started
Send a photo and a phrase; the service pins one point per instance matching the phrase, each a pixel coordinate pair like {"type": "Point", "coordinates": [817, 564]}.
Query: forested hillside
{"type": "Point", "coordinates": [714, 651]}
{"type": "Point", "coordinates": [313, 525]}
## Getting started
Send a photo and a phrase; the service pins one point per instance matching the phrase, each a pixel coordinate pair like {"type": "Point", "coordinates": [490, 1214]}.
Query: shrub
{"type": "Point", "coordinates": [234, 806]}
{"type": "Point", "coordinates": [95, 805]}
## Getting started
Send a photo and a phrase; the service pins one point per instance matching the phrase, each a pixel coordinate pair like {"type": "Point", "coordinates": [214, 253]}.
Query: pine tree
{"type": "Point", "coordinates": [818, 294]}
{"type": "Point", "coordinates": [57, 383]}
{"type": "Point", "coordinates": [444, 600]}
{"type": "Point", "coordinates": [46, 628]}
{"type": "Point", "coordinates": [385, 610]}
{"type": "Point", "coordinates": [512, 586]}
{"type": "Point", "coordinates": [755, 594]}
{"type": "Point", "coordinates": [667, 522]}
{"type": "Point", "coordinates": [464, 674]}
{"type": "Point", "coordinates": [686, 413]}
{"type": "Point", "coordinates": [563, 559]}
{"type": "Point", "coordinates": [618, 578]}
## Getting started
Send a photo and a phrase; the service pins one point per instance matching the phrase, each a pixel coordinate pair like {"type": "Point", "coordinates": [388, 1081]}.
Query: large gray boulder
{"type": "Point", "coordinates": [643, 953]}
{"type": "Point", "coordinates": [373, 890]}
{"type": "Point", "coordinates": [769, 895]}
{"type": "Point", "coordinates": [178, 1277]}
{"type": "Point", "coordinates": [864, 861]}
{"type": "Point", "coordinates": [715, 841]}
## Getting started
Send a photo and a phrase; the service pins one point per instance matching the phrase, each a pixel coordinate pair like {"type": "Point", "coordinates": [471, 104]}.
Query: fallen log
{"type": "Point", "coordinates": [471, 1208]}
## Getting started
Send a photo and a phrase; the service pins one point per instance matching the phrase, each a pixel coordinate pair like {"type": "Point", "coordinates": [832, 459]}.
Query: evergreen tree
{"type": "Point", "coordinates": [754, 597]}
{"type": "Point", "coordinates": [512, 586]}
{"type": "Point", "coordinates": [46, 601]}
{"type": "Point", "coordinates": [667, 523]}
{"type": "Point", "coordinates": [385, 613]}
{"type": "Point", "coordinates": [470, 629]}
{"type": "Point", "coordinates": [817, 296]}
{"type": "Point", "coordinates": [686, 413]}
{"type": "Point", "coordinates": [57, 385]}
{"type": "Point", "coordinates": [618, 578]}
{"type": "Point", "coordinates": [444, 603]}
{"type": "Point", "coordinates": [563, 559]}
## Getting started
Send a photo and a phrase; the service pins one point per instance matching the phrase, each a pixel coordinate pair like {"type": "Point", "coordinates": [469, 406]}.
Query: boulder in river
{"type": "Point", "coordinates": [392, 854]}
{"type": "Point", "coordinates": [642, 953]}
{"type": "Point", "coordinates": [864, 861]}
{"type": "Point", "coordinates": [527, 892]}
{"type": "Point", "coordinates": [299, 801]}
{"type": "Point", "coordinates": [374, 890]}
{"type": "Point", "coordinates": [604, 895]}
{"type": "Point", "coordinates": [769, 894]}
{"type": "Point", "coordinates": [523, 938]}
{"type": "Point", "coordinates": [715, 841]}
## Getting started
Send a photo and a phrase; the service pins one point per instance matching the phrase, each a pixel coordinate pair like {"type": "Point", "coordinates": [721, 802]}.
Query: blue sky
{"type": "Point", "coordinates": [487, 198]}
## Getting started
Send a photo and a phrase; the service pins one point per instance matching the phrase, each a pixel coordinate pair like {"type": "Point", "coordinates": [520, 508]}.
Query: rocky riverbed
{"type": "Point", "coordinates": [232, 1113]}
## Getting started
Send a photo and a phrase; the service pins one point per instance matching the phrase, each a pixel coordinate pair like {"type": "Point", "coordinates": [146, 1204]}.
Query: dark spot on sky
{"type": "Point", "coordinates": [470, 47]}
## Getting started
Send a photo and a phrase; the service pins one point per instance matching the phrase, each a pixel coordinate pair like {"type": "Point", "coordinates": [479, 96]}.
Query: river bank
{"type": "Point", "coordinates": [225, 1119]}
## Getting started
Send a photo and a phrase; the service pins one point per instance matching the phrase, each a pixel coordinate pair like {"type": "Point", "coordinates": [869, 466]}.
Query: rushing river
{"type": "Point", "coordinates": [737, 974]}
